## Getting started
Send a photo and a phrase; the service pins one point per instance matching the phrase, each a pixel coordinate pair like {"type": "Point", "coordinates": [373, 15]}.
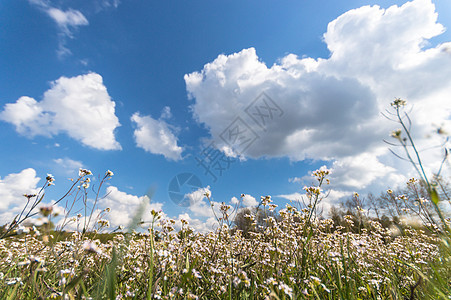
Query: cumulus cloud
{"type": "Point", "coordinates": [329, 108]}
{"type": "Point", "coordinates": [12, 188]}
{"type": "Point", "coordinates": [359, 171]}
{"type": "Point", "coordinates": [155, 136]}
{"type": "Point", "coordinates": [249, 201]}
{"type": "Point", "coordinates": [313, 105]}
{"type": "Point", "coordinates": [202, 212]}
{"type": "Point", "coordinates": [198, 225]}
{"type": "Point", "coordinates": [333, 198]}
{"type": "Point", "coordinates": [124, 207]}
{"type": "Point", "coordinates": [78, 106]}
{"type": "Point", "coordinates": [199, 204]}
{"type": "Point", "coordinates": [246, 201]}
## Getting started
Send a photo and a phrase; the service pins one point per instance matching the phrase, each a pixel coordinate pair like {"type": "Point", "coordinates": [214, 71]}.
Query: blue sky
{"type": "Point", "coordinates": [142, 88]}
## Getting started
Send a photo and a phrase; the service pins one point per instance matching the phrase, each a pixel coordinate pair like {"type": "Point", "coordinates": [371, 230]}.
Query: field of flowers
{"type": "Point", "coordinates": [292, 258]}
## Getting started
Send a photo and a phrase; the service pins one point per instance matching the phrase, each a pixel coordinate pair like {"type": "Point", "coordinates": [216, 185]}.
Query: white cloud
{"type": "Point", "coordinates": [292, 197]}
{"type": "Point", "coordinates": [198, 225]}
{"type": "Point", "coordinates": [359, 171]}
{"type": "Point", "coordinates": [78, 106]}
{"type": "Point", "coordinates": [331, 107]}
{"type": "Point", "coordinates": [66, 20]}
{"type": "Point", "coordinates": [124, 207]}
{"type": "Point", "coordinates": [69, 166]}
{"type": "Point", "coordinates": [295, 180]}
{"type": "Point", "coordinates": [329, 198]}
{"type": "Point", "coordinates": [246, 201]}
{"type": "Point", "coordinates": [155, 136]}
{"type": "Point", "coordinates": [166, 113]}
{"type": "Point", "coordinates": [249, 201]}
{"type": "Point", "coordinates": [199, 204]}
{"type": "Point", "coordinates": [105, 4]}
{"type": "Point", "coordinates": [313, 105]}
{"type": "Point", "coordinates": [12, 188]}
{"type": "Point", "coordinates": [394, 38]}
{"type": "Point", "coordinates": [334, 197]}
{"type": "Point", "coordinates": [202, 213]}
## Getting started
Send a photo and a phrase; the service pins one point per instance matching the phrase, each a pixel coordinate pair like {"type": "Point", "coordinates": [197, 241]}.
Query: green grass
{"type": "Point", "coordinates": [283, 261]}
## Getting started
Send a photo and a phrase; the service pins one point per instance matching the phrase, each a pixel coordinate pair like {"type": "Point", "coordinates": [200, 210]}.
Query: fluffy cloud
{"type": "Point", "coordinates": [199, 204]}
{"type": "Point", "coordinates": [202, 212]}
{"type": "Point", "coordinates": [329, 109]}
{"type": "Point", "coordinates": [197, 224]}
{"type": "Point", "coordinates": [124, 207]}
{"type": "Point", "coordinates": [361, 170]}
{"type": "Point", "coordinates": [246, 201]}
{"type": "Point", "coordinates": [333, 198]}
{"type": "Point", "coordinates": [249, 201]}
{"type": "Point", "coordinates": [78, 106]}
{"type": "Point", "coordinates": [312, 106]}
{"type": "Point", "coordinates": [12, 188]}
{"type": "Point", "coordinates": [155, 136]}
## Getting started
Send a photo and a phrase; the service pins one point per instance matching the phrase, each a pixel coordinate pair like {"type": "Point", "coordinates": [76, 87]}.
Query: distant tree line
{"type": "Point", "coordinates": [408, 205]}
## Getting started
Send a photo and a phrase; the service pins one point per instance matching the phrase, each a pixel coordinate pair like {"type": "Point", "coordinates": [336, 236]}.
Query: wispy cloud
{"type": "Point", "coordinates": [69, 166]}
{"type": "Point", "coordinates": [67, 21]}
{"type": "Point", "coordinates": [105, 4]}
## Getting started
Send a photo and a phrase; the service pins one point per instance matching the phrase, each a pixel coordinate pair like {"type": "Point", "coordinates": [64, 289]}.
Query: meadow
{"type": "Point", "coordinates": [279, 253]}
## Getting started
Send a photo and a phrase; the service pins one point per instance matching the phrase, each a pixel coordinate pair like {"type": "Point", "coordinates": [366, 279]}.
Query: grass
{"type": "Point", "coordinates": [279, 262]}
